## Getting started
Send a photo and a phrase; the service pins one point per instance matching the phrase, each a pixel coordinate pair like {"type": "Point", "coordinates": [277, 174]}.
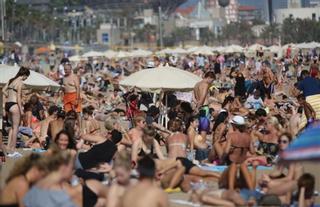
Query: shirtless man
{"type": "Point", "coordinates": [145, 194]}
{"type": "Point", "coordinates": [177, 142]}
{"type": "Point", "coordinates": [89, 124]}
{"type": "Point", "coordinates": [44, 124]}
{"type": "Point", "coordinates": [56, 125]}
{"type": "Point", "coordinates": [136, 133]}
{"type": "Point", "coordinates": [200, 92]}
{"type": "Point", "coordinates": [71, 85]}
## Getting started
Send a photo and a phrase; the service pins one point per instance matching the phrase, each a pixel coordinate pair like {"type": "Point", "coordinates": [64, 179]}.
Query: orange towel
{"type": "Point", "coordinates": [69, 102]}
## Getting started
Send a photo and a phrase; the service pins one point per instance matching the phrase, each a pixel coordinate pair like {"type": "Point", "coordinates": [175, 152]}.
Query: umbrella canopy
{"type": "Point", "coordinates": [35, 80]}
{"type": "Point", "coordinates": [233, 49]}
{"type": "Point", "coordinates": [110, 54]}
{"type": "Point", "coordinates": [164, 51]}
{"type": "Point", "coordinates": [123, 54]}
{"type": "Point", "coordinates": [274, 48]}
{"type": "Point", "coordinates": [76, 58]}
{"type": "Point", "coordinates": [92, 54]}
{"type": "Point", "coordinates": [140, 53]}
{"type": "Point", "coordinates": [204, 50]}
{"type": "Point", "coordinates": [309, 45]}
{"type": "Point", "coordinates": [219, 49]}
{"type": "Point", "coordinates": [306, 147]}
{"type": "Point", "coordinates": [178, 50]}
{"type": "Point", "coordinates": [256, 47]}
{"type": "Point", "coordinates": [162, 78]}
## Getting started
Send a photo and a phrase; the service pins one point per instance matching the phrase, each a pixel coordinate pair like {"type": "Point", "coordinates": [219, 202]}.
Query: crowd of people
{"type": "Point", "coordinates": [96, 143]}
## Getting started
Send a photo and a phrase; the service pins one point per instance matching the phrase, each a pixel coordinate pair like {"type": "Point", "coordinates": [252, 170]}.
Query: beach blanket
{"type": "Point", "coordinates": [221, 168]}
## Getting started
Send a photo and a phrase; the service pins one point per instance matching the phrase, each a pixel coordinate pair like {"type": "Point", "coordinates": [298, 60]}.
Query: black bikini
{"type": "Point", "coordinates": [89, 197]}
{"type": "Point", "coordinates": [8, 105]}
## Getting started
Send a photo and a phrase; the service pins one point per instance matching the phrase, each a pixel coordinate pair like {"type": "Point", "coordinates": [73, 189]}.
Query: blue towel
{"type": "Point", "coordinates": [221, 168]}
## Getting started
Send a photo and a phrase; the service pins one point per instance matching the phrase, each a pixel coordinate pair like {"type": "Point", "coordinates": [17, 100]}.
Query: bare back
{"type": "Point", "coordinates": [142, 195]}
{"type": "Point", "coordinates": [200, 91]}
{"type": "Point", "coordinates": [177, 144]}
{"type": "Point", "coordinates": [55, 127]}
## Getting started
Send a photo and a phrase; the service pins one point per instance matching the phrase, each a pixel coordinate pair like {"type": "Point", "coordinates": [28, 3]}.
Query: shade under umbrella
{"type": "Point", "coordinates": [35, 80]}
{"type": "Point", "coordinates": [306, 147]}
{"type": "Point", "coordinates": [163, 78]}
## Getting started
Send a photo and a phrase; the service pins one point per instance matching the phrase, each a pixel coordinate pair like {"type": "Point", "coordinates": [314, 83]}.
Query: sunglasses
{"type": "Point", "coordinates": [283, 141]}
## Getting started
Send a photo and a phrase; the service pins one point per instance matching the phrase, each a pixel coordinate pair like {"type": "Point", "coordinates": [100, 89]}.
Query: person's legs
{"type": "Point", "coordinates": [246, 175]}
{"type": "Point", "coordinates": [178, 175]}
{"type": "Point", "coordinates": [232, 175]}
{"type": "Point", "coordinates": [15, 115]}
{"type": "Point", "coordinates": [218, 148]}
{"type": "Point", "coordinates": [234, 197]}
{"type": "Point", "coordinates": [203, 173]}
{"type": "Point", "coordinates": [211, 200]}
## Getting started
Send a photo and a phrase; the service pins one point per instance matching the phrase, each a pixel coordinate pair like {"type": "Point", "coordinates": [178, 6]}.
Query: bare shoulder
{"type": "Point", "coordinates": [19, 181]}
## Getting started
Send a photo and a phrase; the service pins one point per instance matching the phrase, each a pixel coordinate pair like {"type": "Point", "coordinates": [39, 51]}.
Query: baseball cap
{"type": "Point", "coordinates": [238, 120]}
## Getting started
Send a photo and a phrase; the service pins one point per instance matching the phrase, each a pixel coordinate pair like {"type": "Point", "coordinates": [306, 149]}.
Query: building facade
{"type": "Point", "coordinates": [302, 13]}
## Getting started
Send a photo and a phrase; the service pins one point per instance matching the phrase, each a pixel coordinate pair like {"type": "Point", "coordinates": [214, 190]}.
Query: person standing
{"type": "Point", "coordinates": [71, 86]}
{"type": "Point", "coordinates": [201, 91]}
{"type": "Point", "coordinates": [13, 107]}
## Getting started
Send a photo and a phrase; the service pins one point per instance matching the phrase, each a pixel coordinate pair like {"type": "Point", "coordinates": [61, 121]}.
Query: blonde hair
{"type": "Point", "coordinates": [24, 164]}
{"type": "Point", "coordinates": [123, 159]}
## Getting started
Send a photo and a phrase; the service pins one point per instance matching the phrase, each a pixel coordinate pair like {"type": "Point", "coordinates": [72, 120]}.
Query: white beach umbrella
{"type": "Point", "coordinates": [163, 78]}
{"type": "Point", "coordinates": [140, 53]}
{"type": "Point", "coordinates": [256, 47]}
{"type": "Point", "coordinates": [110, 54]}
{"type": "Point", "coordinates": [92, 54]}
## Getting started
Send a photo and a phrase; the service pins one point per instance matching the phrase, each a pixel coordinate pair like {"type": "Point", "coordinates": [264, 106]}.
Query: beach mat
{"type": "Point", "coordinates": [221, 168]}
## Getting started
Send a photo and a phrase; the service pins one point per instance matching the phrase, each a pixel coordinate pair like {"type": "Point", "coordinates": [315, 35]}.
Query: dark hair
{"type": "Point", "coordinates": [53, 109]}
{"type": "Point", "coordinates": [61, 114]}
{"type": "Point", "coordinates": [116, 136]}
{"type": "Point", "coordinates": [220, 119]}
{"type": "Point", "coordinates": [27, 107]}
{"type": "Point", "coordinates": [87, 110]}
{"type": "Point", "coordinates": [301, 97]}
{"type": "Point", "coordinates": [69, 126]}
{"type": "Point", "coordinates": [23, 71]}
{"type": "Point", "coordinates": [300, 109]}
{"type": "Point", "coordinates": [209, 74]}
{"type": "Point", "coordinates": [153, 111]}
{"type": "Point", "coordinates": [287, 135]}
{"type": "Point", "coordinates": [71, 115]}
{"type": "Point", "coordinates": [307, 180]}
{"type": "Point", "coordinates": [241, 128]}
{"type": "Point", "coordinates": [304, 73]}
{"type": "Point", "coordinates": [227, 100]}
{"type": "Point", "coordinates": [190, 120]}
{"type": "Point", "coordinates": [186, 107]}
{"type": "Point", "coordinates": [71, 142]}
{"type": "Point", "coordinates": [146, 167]}
{"type": "Point", "coordinates": [260, 112]}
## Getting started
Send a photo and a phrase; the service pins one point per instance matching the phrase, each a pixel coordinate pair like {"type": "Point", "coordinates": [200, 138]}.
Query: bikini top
{"type": "Point", "coordinates": [89, 197]}
{"type": "Point", "coordinates": [142, 153]}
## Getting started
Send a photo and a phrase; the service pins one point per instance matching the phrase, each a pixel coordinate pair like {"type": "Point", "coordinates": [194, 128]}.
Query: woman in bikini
{"type": "Point", "coordinates": [239, 143]}
{"type": "Point", "coordinates": [148, 145]}
{"type": "Point", "coordinates": [13, 106]}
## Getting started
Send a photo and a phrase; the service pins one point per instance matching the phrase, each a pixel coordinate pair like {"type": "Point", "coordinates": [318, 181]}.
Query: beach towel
{"type": "Point", "coordinates": [69, 102]}
{"type": "Point", "coordinates": [221, 168]}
